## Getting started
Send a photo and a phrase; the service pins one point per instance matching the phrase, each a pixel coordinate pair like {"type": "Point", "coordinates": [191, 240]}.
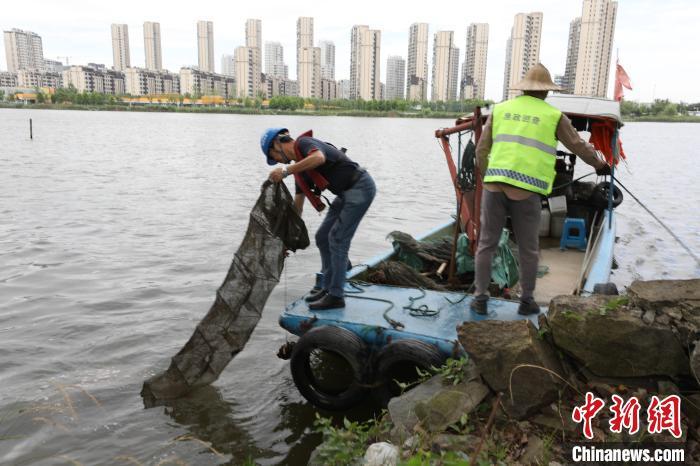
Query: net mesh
{"type": "Point", "coordinates": [274, 227]}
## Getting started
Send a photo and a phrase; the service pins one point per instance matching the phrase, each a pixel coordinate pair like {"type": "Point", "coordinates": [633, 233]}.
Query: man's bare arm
{"type": "Point", "coordinates": [567, 135]}
{"type": "Point", "coordinates": [311, 161]}
{"type": "Point", "coordinates": [299, 202]}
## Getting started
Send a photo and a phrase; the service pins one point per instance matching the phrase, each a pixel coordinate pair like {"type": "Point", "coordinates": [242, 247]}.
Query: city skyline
{"type": "Point", "coordinates": [86, 38]}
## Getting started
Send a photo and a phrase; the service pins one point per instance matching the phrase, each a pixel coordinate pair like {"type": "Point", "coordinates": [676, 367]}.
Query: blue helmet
{"type": "Point", "coordinates": [266, 141]}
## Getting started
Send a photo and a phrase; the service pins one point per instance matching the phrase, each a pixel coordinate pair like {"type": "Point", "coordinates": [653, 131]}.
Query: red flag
{"type": "Point", "coordinates": [621, 79]}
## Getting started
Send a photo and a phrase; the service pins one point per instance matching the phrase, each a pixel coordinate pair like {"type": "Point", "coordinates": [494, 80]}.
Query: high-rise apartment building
{"type": "Point", "coordinates": [305, 32]}
{"type": "Point", "coordinates": [365, 52]}
{"type": "Point", "coordinates": [327, 60]}
{"type": "Point", "coordinates": [569, 78]}
{"type": "Point", "coordinates": [253, 40]}
{"type": "Point", "coordinates": [309, 74]}
{"type": "Point", "coordinates": [395, 77]}
{"type": "Point", "coordinates": [228, 65]}
{"type": "Point", "coordinates": [205, 45]}
{"type": "Point", "coordinates": [120, 46]}
{"type": "Point", "coordinates": [344, 89]}
{"type": "Point", "coordinates": [23, 50]}
{"type": "Point", "coordinates": [329, 89]}
{"type": "Point", "coordinates": [152, 46]}
{"type": "Point", "coordinates": [506, 68]}
{"type": "Point", "coordinates": [245, 79]}
{"type": "Point", "coordinates": [274, 60]}
{"type": "Point", "coordinates": [473, 82]}
{"type": "Point", "coordinates": [445, 67]}
{"type": "Point", "coordinates": [417, 71]}
{"type": "Point", "coordinates": [523, 50]}
{"type": "Point", "coordinates": [308, 60]}
{"type": "Point", "coordinates": [595, 47]}
{"type": "Point", "coordinates": [453, 83]}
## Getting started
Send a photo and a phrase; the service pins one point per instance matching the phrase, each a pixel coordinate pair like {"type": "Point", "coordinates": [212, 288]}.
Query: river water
{"type": "Point", "coordinates": [117, 228]}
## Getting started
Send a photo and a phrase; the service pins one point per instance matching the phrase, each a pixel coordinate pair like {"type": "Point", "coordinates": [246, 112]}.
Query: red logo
{"type": "Point", "coordinates": [665, 415]}
{"type": "Point", "coordinates": [625, 415]}
{"type": "Point", "coordinates": [587, 412]}
{"type": "Point", "coordinates": [662, 415]}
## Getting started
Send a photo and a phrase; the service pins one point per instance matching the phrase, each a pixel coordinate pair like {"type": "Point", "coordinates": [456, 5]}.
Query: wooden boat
{"type": "Point", "coordinates": [385, 332]}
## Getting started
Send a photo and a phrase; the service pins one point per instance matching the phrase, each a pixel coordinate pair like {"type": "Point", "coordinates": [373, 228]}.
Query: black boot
{"type": "Point", "coordinates": [528, 307]}
{"type": "Point", "coordinates": [327, 302]}
{"type": "Point", "coordinates": [315, 294]}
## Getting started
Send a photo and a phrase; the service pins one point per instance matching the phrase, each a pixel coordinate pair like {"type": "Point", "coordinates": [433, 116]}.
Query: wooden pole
{"type": "Point", "coordinates": [31, 135]}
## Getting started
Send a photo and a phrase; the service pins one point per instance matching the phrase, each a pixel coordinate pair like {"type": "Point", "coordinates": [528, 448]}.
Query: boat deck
{"type": "Point", "coordinates": [369, 307]}
{"type": "Point", "coordinates": [564, 268]}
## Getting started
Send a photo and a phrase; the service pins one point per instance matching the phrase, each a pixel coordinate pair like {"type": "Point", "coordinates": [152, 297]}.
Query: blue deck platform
{"type": "Point", "coordinates": [366, 317]}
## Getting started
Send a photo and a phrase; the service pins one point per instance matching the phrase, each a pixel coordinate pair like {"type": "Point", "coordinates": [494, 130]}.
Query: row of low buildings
{"type": "Point", "coordinates": [143, 82]}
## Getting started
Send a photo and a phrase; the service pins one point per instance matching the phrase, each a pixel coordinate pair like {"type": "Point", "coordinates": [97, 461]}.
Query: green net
{"type": "Point", "coordinates": [504, 268]}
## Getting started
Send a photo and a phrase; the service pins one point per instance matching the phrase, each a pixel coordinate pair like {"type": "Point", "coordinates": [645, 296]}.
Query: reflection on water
{"type": "Point", "coordinates": [117, 228]}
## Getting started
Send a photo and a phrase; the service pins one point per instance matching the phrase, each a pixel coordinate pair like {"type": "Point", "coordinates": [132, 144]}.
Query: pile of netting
{"type": "Point", "coordinates": [274, 227]}
{"type": "Point", "coordinates": [425, 264]}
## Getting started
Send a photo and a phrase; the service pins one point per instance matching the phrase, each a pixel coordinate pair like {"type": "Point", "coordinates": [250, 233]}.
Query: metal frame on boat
{"type": "Point", "coordinates": [384, 327]}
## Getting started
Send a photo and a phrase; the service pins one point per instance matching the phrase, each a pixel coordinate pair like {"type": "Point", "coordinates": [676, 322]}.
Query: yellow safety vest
{"type": "Point", "coordinates": [524, 144]}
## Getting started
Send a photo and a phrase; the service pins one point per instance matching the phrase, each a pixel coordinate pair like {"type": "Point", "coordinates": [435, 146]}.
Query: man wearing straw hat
{"type": "Point", "coordinates": [516, 156]}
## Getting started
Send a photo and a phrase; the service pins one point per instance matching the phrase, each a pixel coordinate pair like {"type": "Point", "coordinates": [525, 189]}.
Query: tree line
{"type": "Point", "coordinates": [660, 107]}
{"type": "Point", "coordinates": [397, 105]}
{"type": "Point", "coordinates": [628, 108]}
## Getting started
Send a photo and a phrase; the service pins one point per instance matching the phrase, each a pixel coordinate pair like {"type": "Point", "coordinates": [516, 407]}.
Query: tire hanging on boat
{"type": "Point", "coordinates": [341, 343]}
{"type": "Point", "coordinates": [402, 354]}
{"type": "Point", "coordinates": [274, 227]}
{"type": "Point", "coordinates": [599, 197]}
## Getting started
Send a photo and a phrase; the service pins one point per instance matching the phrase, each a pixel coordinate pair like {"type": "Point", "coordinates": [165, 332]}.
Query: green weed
{"type": "Point", "coordinates": [347, 444]}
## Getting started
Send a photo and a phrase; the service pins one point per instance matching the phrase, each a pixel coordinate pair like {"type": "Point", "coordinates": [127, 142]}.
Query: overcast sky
{"type": "Point", "coordinates": [657, 41]}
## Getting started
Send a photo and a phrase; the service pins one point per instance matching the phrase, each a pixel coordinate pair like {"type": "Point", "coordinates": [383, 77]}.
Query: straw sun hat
{"type": "Point", "coordinates": [537, 78]}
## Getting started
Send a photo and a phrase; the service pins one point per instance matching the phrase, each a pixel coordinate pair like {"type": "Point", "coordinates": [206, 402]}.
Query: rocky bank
{"type": "Point", "coordinates": [512, 403]}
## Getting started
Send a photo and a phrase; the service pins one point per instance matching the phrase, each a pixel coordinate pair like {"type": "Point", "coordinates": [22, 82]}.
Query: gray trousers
{"type": "Point", "coordinates": [525, 218]}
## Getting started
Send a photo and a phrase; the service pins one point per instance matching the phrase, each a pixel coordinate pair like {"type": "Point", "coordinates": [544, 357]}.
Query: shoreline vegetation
{"type": "Point", "coordinates": [157, 108]}
{"type": "Point", "coordinates": [661, 110]}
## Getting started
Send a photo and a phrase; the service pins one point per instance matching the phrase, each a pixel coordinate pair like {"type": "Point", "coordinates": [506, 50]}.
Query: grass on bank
{"type": "Point", "coordinates": [423, 113]}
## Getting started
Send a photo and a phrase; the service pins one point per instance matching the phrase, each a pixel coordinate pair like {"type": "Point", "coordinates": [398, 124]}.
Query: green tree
{"type": "Point", "coordinates": [670, 109]}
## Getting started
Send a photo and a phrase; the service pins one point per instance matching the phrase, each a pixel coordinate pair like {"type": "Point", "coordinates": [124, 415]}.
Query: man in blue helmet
{"type": "Point", "coordinates": [317, 166]}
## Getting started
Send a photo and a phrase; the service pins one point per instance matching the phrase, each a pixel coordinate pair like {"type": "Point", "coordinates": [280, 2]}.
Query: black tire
{"type": "Point", "coordinates": [605, 289]}
{"type": "Point", "coordinates": [599, 198]}
{"type": "Point", "coordinates": [398, 361]}
{"type": "Point", "coordinates": [342, 344]}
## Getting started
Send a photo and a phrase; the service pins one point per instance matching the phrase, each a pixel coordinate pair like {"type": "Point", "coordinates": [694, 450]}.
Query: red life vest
{"type": "Point", "coordinates": [318, 180]}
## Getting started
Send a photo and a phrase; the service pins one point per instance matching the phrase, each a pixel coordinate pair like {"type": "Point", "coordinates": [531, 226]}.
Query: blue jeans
{"type": "Point", "coordinates": [337, 229]}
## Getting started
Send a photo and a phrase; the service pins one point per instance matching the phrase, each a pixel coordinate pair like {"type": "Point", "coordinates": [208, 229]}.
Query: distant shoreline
{"type": "Point", "coordinates": [328, 112]}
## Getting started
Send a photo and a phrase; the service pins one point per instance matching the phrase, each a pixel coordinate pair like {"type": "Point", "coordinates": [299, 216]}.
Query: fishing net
{"type": "Point", "coordinates": [420, 255]}
{"type": "Point", "coordinates": [423, 264]}
{"type": "Point", "coordinates": [401, 274]}
{"type": "Point", "coordinates": [274, 227]}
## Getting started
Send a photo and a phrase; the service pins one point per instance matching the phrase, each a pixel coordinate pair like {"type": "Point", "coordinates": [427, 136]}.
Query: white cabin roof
{"type": "Point", "coordinates": [582, 106]}
{"type": "Point", "coordinates": [586, 106]}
